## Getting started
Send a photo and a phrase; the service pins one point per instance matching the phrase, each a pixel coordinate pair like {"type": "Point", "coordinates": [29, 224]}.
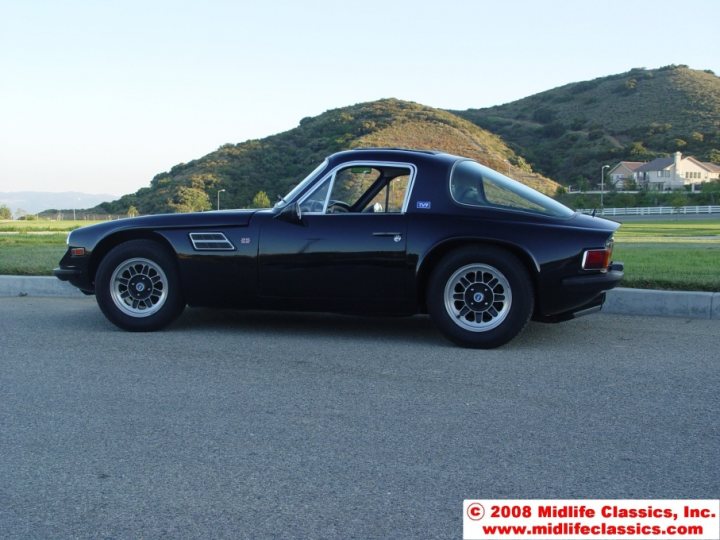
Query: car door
{"type": "Point", "coordinates": [348, 251]}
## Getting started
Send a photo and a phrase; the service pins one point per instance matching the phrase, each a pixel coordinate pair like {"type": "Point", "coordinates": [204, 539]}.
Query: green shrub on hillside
{"type": "Point", "coordinates": [636, 115]}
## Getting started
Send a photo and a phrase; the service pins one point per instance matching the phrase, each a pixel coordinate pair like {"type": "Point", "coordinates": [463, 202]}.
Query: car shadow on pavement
{"type": "Point", "coordinates": [83, 316]}
{"type": "Point", "coordinates": [418, 329]}
{"type": "Point", "coordinates": [412, 329]}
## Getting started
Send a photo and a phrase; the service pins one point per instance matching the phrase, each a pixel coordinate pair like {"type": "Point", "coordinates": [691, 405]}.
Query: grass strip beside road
{"type": "Point", "coordinates": [34, 247]}
{"type": "Point", "coordinates": [42, 225]}
{"type": "Point", "coordinates": [674, 255]}
{"type": "Point", "coordinates": [670, 254]}
{"type": "Point", "coordinates": [673, 266]}
{"type": "Point", "coordinates": [25, 254]}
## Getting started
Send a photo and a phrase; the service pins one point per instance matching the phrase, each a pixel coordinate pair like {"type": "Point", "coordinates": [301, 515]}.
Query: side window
{"type": "Point", "coordinates": [476, 185]}
{"type": "Point", "coordinates": [390, 198]}
{"type": "Point", "coordinates": [315, 202]}
{"type": "Point", "coordinates": [466, 187]}
{"type": "Point", "coordinates": [350, 185]}
{"type": "Point", "coordinates": [368, 189]}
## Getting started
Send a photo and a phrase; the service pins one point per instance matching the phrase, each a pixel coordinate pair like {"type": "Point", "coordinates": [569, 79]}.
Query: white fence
{"type": "Point", "coordinates": [654, 211]}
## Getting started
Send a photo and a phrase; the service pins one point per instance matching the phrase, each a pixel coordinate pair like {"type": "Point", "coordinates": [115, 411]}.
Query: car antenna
{"type": "Point", "coordinates": [593, 212]}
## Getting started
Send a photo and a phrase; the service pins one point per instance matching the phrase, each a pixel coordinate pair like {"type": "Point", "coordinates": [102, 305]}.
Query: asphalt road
{"type": "Point", "coordinates": [241, 425]}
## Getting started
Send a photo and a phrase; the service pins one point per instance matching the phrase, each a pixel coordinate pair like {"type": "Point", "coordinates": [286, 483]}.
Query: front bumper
{"type": "Point", "coordinates": [76, 277]}
{"type": "Point", "coordinates": [75, 270]}
{"type": "Point", "coordinates": [67, 274]}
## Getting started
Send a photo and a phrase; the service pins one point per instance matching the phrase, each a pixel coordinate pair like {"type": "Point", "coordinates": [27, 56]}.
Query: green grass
{"type": "Point", "coordinates": [658, 231]}
{"type": "Point", "coordinates": [31, 254]}
{"type": "Point", "coordinates": [670, 265]}
{"type": "Point", "coordinates": [42, 225]}
{"type": "Point", "coordinates": [33, 247]}
{"type": "Point", "coordinates": [676, 255]}
{"type": "Point", "coordinates": [657, 255]}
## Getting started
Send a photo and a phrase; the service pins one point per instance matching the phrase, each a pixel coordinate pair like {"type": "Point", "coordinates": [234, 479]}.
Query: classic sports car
{"type": "Point", "coordinates": [371, 231]}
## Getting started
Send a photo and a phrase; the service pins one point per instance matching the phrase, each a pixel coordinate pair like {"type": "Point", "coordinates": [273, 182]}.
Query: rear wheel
{"type": "Point", "coordinates": [137, 286]}
{"type": "Point", "coordinates": [480, 297]}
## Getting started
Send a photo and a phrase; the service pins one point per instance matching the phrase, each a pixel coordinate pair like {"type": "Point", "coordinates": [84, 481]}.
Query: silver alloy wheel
{"type": "Point", "coordinates": [478, 297]}
{"type": "Point", "coordinates": [138, 287]}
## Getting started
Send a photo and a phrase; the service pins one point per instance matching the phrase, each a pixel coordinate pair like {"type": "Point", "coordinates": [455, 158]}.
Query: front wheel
{"type": "Point", "coordinates": [137, 286]}
{"type": "Point", "coordinates": [480, 297]}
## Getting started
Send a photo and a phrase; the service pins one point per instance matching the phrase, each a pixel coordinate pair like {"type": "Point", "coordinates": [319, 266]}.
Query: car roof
{"type": "Point", "coordinates": [394, 154]}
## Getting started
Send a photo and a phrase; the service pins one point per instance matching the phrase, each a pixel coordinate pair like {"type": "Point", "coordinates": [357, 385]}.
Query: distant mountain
{"type": "Point", "coordinates": [570, 132]}
{"type": "Point", "coordinates": [274, 164]}
{"type": "Point", "coordinates": [33, 202]}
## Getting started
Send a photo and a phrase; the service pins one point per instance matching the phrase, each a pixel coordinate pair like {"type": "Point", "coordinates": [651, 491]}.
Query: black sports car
{"type": "Point", "coordinates": [372, 231]}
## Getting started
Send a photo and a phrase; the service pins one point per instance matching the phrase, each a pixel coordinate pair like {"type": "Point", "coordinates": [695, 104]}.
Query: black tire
{"type": "Point", "coordinates": [137, 286]}
{"type": "Point", "coordinates": [480, 297]}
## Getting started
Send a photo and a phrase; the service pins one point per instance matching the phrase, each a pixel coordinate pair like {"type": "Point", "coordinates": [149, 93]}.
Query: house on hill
{"type": "Point", "coordinates": [665, 174]}
{"type": "Point", "coordinates": [623, 173]}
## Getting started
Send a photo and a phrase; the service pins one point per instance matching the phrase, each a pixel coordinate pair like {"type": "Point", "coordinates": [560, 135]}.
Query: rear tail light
{"type": "Point", "coordinates": [598, 259]}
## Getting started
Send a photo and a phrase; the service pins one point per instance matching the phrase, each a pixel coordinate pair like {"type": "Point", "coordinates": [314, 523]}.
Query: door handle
{"type": "Point", "coordinates": [396, 236]}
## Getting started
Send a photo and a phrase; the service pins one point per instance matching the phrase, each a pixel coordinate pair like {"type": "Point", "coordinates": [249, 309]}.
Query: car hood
{"type": "Point", "coordinates": [90, 235]}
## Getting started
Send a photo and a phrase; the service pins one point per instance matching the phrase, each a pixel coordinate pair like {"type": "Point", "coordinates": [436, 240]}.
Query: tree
{"type": "Point", "coordinates": [710, 187]}
{"type": "Point", "coordinates": [187, 199]}
{"type": "Point", "coordinates": [5, 212]}
{"type": "Point", "coordinates": [261, 200]}
{"type": "Point", "coordinates": [520, 163]}
{"type": "Point", "coordinates": [582, 183]}
{"type": "Point", "coordinates": [132, 211]}
{"type": "Point", "coordinates": [678, 200]}
{"type": "Point", "coordinates": [637, 150]}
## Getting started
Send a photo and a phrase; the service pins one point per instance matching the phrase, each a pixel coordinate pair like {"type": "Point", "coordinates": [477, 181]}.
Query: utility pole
{"type": "Point", "coordinates": [602, 186]}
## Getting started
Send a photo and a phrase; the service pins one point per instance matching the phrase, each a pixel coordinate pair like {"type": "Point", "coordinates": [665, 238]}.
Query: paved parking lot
{"type": "Point", "coordinates": [255, 425]}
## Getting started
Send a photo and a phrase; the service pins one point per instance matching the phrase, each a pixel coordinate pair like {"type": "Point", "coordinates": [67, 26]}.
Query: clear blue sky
{"type": "Point", "coordinates": [99, 96]}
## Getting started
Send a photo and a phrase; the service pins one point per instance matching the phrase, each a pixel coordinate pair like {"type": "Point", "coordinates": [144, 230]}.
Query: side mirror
{"type": "Point", "coordinates": [292, 213]}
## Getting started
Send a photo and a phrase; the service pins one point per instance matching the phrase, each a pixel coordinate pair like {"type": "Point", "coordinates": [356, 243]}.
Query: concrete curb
{"type": "Point", "coordinates": [621, 301]}
{"type": "Point", "coordinates": [36, 286]}
{"type": "Point", "coordinates": [684, 304]}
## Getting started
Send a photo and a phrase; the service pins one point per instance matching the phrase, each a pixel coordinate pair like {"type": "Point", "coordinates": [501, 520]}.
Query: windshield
{"type": "Point", "coordinates": [476, 185]}
{"type": "Point", "coordinates": [297, 189]}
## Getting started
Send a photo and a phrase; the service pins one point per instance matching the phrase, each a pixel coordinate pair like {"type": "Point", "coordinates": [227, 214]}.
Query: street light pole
{"type": "Point", "coordinates": [218, 197]}
{"type": "Point", "coordinates": [602, 185]}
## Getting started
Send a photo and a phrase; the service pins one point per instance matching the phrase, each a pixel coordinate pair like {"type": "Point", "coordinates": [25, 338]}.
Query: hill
{"type": "Point", "coordinates": [570, 132]}
{"type": "Point", "coordinates": [276, 163]}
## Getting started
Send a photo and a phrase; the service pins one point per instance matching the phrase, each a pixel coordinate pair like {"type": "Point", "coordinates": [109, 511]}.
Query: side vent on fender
{"type": "Point", "coordinates": [211, 241]}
